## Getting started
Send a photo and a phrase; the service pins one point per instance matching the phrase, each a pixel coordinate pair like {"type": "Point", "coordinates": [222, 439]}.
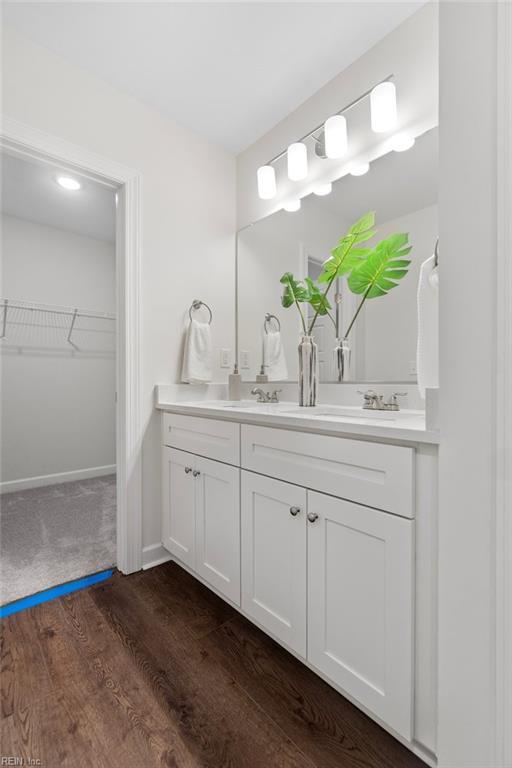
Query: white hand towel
{"type": "Point", "coordinates": [427, 359]}
{"type": "Point", "coordinates": [197, 357]}
{"type": "Point", "coordinates": [273, 356]}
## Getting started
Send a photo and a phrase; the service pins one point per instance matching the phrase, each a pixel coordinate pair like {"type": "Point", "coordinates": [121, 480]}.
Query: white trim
{"type": "Point", "coordinates": [154, 554]}
{"type": "Point", "coordinates": [23, 140]}
{"type": "Point", "coordinates": [504, 388]}
{"type": "Point", "coordinates": [38, 481]}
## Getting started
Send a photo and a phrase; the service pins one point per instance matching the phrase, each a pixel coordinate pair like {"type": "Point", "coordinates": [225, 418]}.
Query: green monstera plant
{"type": "Point", "coordinates": [370, 272]}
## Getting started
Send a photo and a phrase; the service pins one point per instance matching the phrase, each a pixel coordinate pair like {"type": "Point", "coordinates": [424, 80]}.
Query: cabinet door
{"type": "Point", "coordinates": [178, 504]}
{"type": "Point", "coordinates": [360, 566]}
{"type": "Point", "coordinates": [218, 526]}
{"type": "Point", "coordinates": [274, 557]}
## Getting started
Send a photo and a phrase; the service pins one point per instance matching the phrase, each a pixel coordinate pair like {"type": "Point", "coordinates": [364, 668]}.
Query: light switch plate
{"type": "Point", "coordinates": [224, 358]}
{"type": "Point", "coordinates": [244, 359]}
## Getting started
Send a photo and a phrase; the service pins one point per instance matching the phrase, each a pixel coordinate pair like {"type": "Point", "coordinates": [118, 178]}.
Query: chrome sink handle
{"type": "Point", "coordinates": [371, 398]}
{"type": "Point", "coordinates": [274, 397]}
{"type": "Point", "coordinates": [262, 396]}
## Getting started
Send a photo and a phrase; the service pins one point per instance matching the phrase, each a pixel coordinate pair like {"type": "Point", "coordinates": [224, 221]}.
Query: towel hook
{"type": "Point", "coordinates": [268, 320]}
{"type": "Point", "coordinates": [197, 304]}
{"type": "Point", "coordinates": [436, 253]}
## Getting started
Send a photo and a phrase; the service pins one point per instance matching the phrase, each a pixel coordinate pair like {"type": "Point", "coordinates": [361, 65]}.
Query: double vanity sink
{"type": "Point", "coordinates": [317, 524]}
{"type": "Point", "coordinates": [404, 425]}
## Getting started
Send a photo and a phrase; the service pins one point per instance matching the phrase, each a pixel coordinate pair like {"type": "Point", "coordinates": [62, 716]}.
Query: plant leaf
{"type": "Point", "coordinates": [383, 268]}
{"type": "Point", "coordinates": [345, 256]}
{"type": "Point", "coordinates": [317, 300]}
{"type": "Point", "coordinates": [364, 224]}
{"type": "Point", "coordinates": [294, 291]}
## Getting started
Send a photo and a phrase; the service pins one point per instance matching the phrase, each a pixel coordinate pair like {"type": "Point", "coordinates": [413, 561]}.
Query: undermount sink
{"type": "Point", "coordinates": [345, 413]}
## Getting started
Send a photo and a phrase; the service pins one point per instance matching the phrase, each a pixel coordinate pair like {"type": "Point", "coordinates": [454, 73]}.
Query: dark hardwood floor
{"type": "Point", "coordinates": [154, 670]}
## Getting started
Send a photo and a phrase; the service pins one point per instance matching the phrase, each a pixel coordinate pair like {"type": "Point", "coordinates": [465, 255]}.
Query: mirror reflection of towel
{"type": "Point", "coordinates": [273, 356]}
{"type": "Point", "coordinates": [197, 357]}
{"type": "Point", "coordinates": [428, 326]}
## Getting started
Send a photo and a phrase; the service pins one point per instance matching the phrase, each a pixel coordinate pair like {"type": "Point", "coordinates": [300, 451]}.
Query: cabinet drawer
{"type": "Point", "coordinates": [218, 440]}
{"type": "Point", "coordinates": [374, 474]}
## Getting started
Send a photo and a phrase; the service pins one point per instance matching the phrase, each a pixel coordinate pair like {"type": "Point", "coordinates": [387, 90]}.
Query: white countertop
{"type": "Point", "coordinates": [400, 426]}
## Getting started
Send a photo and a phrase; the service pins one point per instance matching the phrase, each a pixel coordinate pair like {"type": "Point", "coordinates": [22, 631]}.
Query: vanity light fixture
{"type": "Point", "coordinates": [267, 182]}
{"type": "Point", "coordinates": [322, 189]}
{"type": "Point", "coordinates": [292, 206]}
{"type": "Point", "coordinates": [297, 161]}
{"type": "Point", "coordinates": [331, 139]}
{"type": "Point", "coordinates": [383, 107]}
{"type": "Point", "coordinates": [335, 133]}
{"type": "Point", "coordinates": [358, 169]}
{"type": "Point", "coordinates": [336, 140]}
{"type": "Point", "coordinates": [401, 142]}
{"type": "Point", "coordinates": [66, 182]}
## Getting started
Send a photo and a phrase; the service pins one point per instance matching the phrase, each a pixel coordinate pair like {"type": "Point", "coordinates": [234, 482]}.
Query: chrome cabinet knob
{"type": "Point", "coordinates": [196, 472]}
{"type": "Point", "coordinates": [188, 470]}
{"type": "Point", "coordinates": [294, 511]}
{"type": "Point", "coordinates": [312, 516]}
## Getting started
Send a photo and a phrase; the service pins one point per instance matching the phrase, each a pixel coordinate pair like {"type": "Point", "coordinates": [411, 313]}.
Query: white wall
{"type": "Point", "coordinates": [188, 213]}
{"type": "Point", "coordinates": [467, 213]}
{"type": "Point", "coordinates": [390, 322]}
{"type": "Point", "coordinates": [58, 410]}
{"type": "Point", "coordinates": [410, 52]}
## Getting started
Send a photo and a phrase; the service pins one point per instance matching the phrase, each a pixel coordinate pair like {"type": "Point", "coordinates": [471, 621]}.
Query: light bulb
{"type": "Point", "coordinates": [335, 132]}
{"type": "Point", "coordinates": [401, 142]}
{"type": "Point", "coordinates": [358, 169]}
{"type": "Point", "coordinates": [266, 182]}
{"type": "Point", "coordinates": [383, 107]}
{"type": "Point", "coordinates": [292, 206]}
{"type": "Point", "coordinates": [66, 182]}
{"type": "Point", "coordinates": [297, 161]}
{"type": "Point", "coordinates": [322, 189]}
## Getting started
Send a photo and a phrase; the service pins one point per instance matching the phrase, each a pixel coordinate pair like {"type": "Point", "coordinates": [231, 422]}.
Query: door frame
{"type": "Point", "coordinates": [24, 141]}
{"type": "Point", "coordinates": [503, 409]}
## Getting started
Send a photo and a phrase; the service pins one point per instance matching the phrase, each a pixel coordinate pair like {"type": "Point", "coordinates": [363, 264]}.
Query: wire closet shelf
{"type": "Point", "coordinates": [25, 323]}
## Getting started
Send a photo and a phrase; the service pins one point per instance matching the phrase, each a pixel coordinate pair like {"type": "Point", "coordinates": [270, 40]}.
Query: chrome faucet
{"type": "Point", "coordinates": [266, 397]}
{"type": "Point", "coordinates": [375, 402]}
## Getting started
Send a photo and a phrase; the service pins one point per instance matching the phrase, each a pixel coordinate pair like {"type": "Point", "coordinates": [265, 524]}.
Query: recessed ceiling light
{"type": "Point", "coordinates": [292, 206]}
{"type": "Point", "coordinates": [66, 182]}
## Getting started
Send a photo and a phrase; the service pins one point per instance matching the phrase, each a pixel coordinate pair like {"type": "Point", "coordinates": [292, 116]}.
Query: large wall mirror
{"type": "Point", "coordinates": [402, 188]}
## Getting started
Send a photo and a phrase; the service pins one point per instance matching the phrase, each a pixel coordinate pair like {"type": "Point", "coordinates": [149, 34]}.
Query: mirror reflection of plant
{"type": "Point", "coordinates": [380, 271]}
{"type": "Point", "coordinates": [371, 272]}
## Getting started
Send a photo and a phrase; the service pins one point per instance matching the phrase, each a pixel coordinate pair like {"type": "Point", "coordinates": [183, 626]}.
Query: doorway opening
{"type": "Point", "coordinates": [58, 349]}
{"type": "Point", "coordinates": [61, 158]}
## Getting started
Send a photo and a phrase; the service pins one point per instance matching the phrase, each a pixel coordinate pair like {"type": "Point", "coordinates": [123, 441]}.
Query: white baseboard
{"type": "Point", "coordinates": [61, 477]}
{"type": "Point", "coordinates": [154, 554]}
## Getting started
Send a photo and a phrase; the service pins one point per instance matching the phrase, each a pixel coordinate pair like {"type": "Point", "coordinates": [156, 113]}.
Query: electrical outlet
{"type": "Point", "coordinates": [224, 358]}
{"type": "Point", "coordinates": [244, 359]}
{"type": "Point", "coordinates": [412, 368]}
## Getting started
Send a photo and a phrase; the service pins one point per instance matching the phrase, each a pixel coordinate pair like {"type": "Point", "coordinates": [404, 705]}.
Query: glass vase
{"type": "Point", "coordinates": [308, 371]}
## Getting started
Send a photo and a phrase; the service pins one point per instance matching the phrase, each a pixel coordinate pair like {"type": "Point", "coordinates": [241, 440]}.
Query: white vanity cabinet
{"type": "Point", "coordinates": [360, 604]}
{"type": "Point", "coordinates": [274, 568]}
{"type": "Point", "coordinates": [314, 537]}
{"type": "Point", "coordinates": [201, 518]}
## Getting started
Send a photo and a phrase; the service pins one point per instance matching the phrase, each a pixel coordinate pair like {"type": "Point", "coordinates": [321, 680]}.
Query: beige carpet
{"type": "Point", "coordinates": [55, 534]}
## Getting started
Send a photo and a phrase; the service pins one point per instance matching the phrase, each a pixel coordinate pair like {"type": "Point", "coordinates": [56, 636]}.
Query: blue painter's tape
{"type": "Point", "coordinates": [53, 592]}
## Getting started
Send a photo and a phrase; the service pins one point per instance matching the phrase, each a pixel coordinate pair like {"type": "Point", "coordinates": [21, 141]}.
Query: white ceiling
{"type": "Point", "coordinates": [229, 71]}
{"type": "Point", "coordinates": [29, 191]}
